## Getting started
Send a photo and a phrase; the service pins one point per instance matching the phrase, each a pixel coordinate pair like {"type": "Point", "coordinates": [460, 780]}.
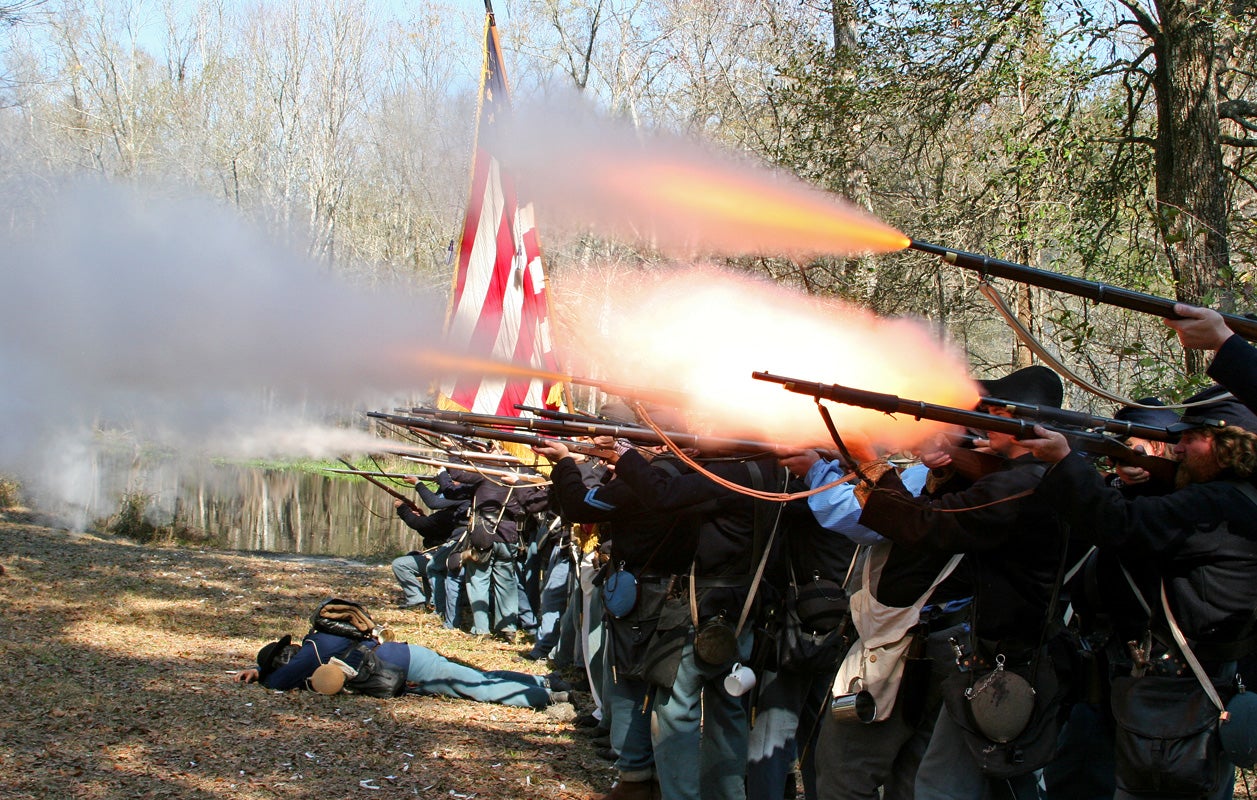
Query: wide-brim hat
{"type": "Point", "coordinates": [1035, 385]}
{"type": "Point", "coordinates": [1159, 417]}
{"type": "Point", "coordinates": [1226, 412]}
{"type": "Point", "coordinates": [266, 656]}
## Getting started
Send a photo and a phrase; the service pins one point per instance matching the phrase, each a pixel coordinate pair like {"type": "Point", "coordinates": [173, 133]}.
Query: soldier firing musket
{"type": "Point", "coordinates": [1021, 425]}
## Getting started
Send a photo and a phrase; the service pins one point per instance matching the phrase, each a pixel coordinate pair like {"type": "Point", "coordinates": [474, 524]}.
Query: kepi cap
{"type": "Point", "coordinates": [1160, 417]}
{"type": "Point", "coordinates": [1225, 412]}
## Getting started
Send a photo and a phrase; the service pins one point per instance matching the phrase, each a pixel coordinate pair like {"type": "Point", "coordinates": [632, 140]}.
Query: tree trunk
{"type": "Point", "coordinates": [1191, 195]}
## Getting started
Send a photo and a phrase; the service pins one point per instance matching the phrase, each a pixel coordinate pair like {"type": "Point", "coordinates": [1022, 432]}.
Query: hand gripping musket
{"type": "Point", "coordinates": [1098, 292]}
{"type": "Point", "coordinates": [1078, 419]}
{"type": "Point", "coordinates": [1088, 441]}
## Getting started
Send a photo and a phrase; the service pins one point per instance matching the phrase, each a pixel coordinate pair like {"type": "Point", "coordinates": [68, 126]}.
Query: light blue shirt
{"type": "Point", "coordinates": [837, 509]}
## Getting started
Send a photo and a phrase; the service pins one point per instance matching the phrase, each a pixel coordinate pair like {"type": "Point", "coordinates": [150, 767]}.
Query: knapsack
{"type": "Point", "coordinates": [348, 619]}
{"type": "Point", "coordinates": [375, 677]}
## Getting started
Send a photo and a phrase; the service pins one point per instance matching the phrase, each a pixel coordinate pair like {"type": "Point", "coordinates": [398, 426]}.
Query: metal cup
{"type": "Point", "coordinates": [739, 681]}
{"type": "Point", "coordinates": [859, 706]}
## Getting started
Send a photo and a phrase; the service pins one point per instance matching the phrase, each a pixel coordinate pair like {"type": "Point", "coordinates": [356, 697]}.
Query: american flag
{"type": "Point", "coordinates": [499, 308]}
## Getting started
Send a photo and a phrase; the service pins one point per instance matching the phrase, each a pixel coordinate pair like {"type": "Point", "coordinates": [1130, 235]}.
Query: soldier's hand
{"type": "Point", "coordinates": [1047, 445]}
{"type": "Point", "coordinates": [798, 461]}
{"type": "Point", "coordinates": [1199, 328]}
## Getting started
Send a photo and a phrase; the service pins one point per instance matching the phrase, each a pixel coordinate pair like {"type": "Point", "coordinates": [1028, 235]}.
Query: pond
{"type": "Point", "coordinates": [264, 509]}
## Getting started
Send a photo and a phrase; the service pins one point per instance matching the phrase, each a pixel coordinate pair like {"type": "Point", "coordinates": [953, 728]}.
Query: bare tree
{"type": "Point", "coordinates": [18, 12]}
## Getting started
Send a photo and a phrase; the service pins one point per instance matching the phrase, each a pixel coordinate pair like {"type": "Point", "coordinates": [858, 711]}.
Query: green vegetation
{"type": "Point", "coordinates": [10, 492]}
{"type": "Point", "coordinates": [134, 520]}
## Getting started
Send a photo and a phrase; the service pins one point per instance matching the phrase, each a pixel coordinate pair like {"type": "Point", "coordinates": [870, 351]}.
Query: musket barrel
{"type": "Point", "coordinates": [566, 416]}
{"type": "Point", "coordinates": [473, 431]}
{"type": "Point", "coordinates": [1091, 290]}
{"type": "Point", "coordinates": [635, 434]}
{"type": "Point", "coordinates": [1089, 441]}
{"type": "Point", "coordinates": [1080, 419]}
{"type": "Point", "coordinates": [891, 404]}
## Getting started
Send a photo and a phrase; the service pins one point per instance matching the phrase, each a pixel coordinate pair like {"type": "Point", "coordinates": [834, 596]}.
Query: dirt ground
{"type": "Point", "coordinates": [117, 682]}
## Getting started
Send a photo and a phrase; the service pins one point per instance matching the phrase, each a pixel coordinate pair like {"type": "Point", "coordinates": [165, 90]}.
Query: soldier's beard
{"type": "Point", "coordinates": [1196, 469]}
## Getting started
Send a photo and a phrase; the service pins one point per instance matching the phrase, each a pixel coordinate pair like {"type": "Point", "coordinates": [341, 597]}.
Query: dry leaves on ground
{"type": "Point", "coordinates": [118, 680]}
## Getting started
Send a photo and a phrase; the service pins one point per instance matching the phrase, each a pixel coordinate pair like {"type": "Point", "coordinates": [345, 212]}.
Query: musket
{"type": "Point", "coordinates": [471, 431]}
{"type": "Point", "coordinates": [389, 489]}
{"type": "Point", "coordinates": [1098, 292]}
{"type": "Point", "coordinates": [432, 462]}
{"type": "Point", "coordinates": [1091, 442]}
{"type": "Point", "coordinates": [475, 455]}
{"type": "Point", "coordinates": [393, 475]}
{"type": "Point", "coordinates": [632, 433]}
{"type": "Point", "coordinates": [1079, 419]}
{"type": "Point", "coordinates": [566, 416]}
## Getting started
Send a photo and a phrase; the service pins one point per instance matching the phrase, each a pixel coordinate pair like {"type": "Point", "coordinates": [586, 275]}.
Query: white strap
{"type": "Point", "coordinates": [1035, 346]}
{"type": "Point", "coordinates": [925, 597]}
{"type": "Point", "coordinates": [1179, 638]}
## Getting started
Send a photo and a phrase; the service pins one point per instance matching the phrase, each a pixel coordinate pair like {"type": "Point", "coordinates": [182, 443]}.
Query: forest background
{"type": "Point", "coordinates": [1109, 140]}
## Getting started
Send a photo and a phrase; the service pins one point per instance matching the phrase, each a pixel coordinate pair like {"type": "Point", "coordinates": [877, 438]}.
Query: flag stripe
{"type": "Point", "coordinates": [499, 308]}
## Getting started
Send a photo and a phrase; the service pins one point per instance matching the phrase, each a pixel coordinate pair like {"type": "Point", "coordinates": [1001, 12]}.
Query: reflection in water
{"type": "Point", "coordinates": [297, 512]}
{"type": "Point", "coordinates": [271, 510]}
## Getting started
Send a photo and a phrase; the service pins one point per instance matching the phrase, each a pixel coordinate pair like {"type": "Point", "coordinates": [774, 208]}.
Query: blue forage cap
{"type": "Point", "coordinates": [1226, 412]}
{"type": "Point", "coordinates": [1239, 731]}
{"type": "Point", "coordinates": [1160, 417]}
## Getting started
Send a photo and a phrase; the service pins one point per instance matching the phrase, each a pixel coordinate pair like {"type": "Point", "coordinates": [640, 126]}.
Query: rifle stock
{"type": "Point", "coordinates": [1090, 442]}
{"type": "Point", "coordinates": [1098, 292]}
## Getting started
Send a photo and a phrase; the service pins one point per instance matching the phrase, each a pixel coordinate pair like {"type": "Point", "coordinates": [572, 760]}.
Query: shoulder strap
{"type": "Point", "coordinates": [1199, 671]}
{"type": "Point", "coordinates": [950, 566]}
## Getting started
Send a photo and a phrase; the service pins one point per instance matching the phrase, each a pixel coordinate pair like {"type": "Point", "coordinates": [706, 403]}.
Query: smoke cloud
{"type": "Point", "coordinates": [681, 196]}
{"type": "Point", "coordinates": [169, 322]}
{"type": "Point", "coordinates": [701, 331]}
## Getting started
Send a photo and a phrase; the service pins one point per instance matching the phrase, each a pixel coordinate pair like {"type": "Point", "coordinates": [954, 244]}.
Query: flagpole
{"type": "Point", "coordinates": [499, 297]}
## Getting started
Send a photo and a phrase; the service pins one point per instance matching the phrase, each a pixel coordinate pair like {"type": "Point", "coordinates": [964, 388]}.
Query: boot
{"type": "Point", "coordinates": [632, 790]}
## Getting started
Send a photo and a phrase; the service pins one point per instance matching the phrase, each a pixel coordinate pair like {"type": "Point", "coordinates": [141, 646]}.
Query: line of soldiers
{"type": "Point", "coordinates": [1042, 629]}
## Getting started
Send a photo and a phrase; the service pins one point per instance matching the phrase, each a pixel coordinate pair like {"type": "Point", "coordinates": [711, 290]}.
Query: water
{"type": "Point", "coordinates": [265, 509]}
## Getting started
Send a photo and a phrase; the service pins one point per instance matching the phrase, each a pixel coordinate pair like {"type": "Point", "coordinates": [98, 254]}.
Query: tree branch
{"type": "Point", "coordinates": [1142, 18]}
{"type": "Point", "coordinates": [1237, 109]}
{"type": "Point", "coordinates": [1237, 142]}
